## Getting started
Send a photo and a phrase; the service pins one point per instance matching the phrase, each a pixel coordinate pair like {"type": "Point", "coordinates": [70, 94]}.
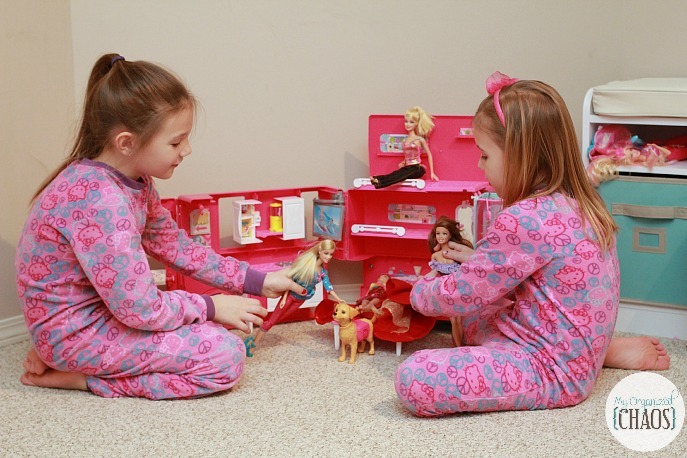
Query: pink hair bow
{"type": "Point", "coordinates": [495, 83]}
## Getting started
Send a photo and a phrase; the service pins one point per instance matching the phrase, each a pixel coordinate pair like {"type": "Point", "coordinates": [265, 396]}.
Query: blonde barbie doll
{"type": "Point", "coordinates": [307, 270]}
{"type": "Point", "coordinates": [419, 125]}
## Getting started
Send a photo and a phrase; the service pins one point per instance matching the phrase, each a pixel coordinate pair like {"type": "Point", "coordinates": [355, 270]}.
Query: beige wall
{"type": "Point", "coordinates": [37, 107]}
{"type": "Point", "coordinates": [287, 85]}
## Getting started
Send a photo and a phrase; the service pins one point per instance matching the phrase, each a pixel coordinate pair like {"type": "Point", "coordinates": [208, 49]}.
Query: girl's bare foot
{"type": "Point", "coordinates": [39, 374]}
{"type": "Point", "coordinates": [34, 364]}
{"type": "Point", "coordinates": [456, 331]}
{"type": "Point", "coordinates": [637, 353]}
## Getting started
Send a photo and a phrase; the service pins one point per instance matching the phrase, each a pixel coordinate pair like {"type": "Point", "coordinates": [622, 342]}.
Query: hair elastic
{"type": "Point", "coordinates": [495, 83]}
{"type": "Point", "coordinates": [116, 58]}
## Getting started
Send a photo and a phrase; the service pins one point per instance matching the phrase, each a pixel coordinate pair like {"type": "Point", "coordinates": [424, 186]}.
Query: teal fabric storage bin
{"type": "Point", "coordinates": [651, 213]}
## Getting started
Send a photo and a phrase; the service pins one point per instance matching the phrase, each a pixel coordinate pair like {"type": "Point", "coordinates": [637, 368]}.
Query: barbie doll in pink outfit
{"type": "Point", "coordinates": [419, 125]}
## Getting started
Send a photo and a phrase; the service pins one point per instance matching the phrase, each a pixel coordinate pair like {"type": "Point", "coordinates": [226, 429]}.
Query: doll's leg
{"type": "Point", "coordinates": [370, 305]}
{"type": "Point", "coordinates": [404, 173]}
{"type": "Point", "coordinates": [417, 172]}
{"type": "Point", "coordinates": [281, 312]}
{"type": "Point", "coordinates": [382, 181]}
{"type": "Point", "coordinates": [364, 305]}
{"type": "Point", "coordinates": [456, 330]}
{"type": "Point", "coordinates": [398, 175]}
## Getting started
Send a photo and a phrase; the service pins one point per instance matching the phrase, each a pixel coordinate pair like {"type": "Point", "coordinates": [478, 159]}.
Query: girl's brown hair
{"type": "Point", "coordinates": [541, 152]}
{"type": "Point", "coordinates": [137, 96]}
{"type": "Point", "coordinates": [453, 229]}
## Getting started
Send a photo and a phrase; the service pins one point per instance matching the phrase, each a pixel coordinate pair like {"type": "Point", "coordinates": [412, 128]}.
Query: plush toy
{"type": "Point", "coordinates": [352, 331]}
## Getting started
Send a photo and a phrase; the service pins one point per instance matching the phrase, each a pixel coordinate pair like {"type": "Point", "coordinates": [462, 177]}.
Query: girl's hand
{"type": "Point", "coordinates": [457, 252]}
{"type": "Point", "coordinates": [434, 177]}
{"type": "Point", "coordinates": [278, 282]}
{"type": "Point", "coordinates": [238, 311]}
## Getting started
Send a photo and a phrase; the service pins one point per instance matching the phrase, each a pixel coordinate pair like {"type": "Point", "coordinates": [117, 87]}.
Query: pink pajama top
{"type": "Point", "coordinates": [82, 257]}
{"type": "Point", "coordinates": [566, 289]}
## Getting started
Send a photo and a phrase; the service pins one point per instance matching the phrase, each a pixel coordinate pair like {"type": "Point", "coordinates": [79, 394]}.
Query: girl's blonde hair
{"type": "Point", "coordinates": [541, 152]}
{"type": "Point", "coordinates": [137, 96]}
{"type": "Point", "coordinates": [304, 268]}
{"type": "Point", "coordinates": [425, 124]}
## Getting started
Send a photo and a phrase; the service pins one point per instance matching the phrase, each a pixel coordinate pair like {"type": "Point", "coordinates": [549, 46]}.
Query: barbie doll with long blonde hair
{"type": "Point", "coordinates": [307, 270]}
{"type": "Point", "coordinates": [419, 126]}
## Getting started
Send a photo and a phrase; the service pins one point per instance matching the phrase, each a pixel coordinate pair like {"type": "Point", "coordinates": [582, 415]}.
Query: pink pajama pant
{"type": "Point", "coordinates": [191, 361]}
{"type": "Point", "coordinates": [489, 373]}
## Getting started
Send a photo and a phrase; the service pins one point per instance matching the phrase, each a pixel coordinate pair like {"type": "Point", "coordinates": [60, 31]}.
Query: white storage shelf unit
{"type": "Point", "coordinates": [645, 127]}
{"type": "Point", "coordinates": [653, 291]}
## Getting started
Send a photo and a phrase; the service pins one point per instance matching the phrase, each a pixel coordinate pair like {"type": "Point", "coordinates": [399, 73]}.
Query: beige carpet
{"type": "Point", "coordinates": [296, 399]}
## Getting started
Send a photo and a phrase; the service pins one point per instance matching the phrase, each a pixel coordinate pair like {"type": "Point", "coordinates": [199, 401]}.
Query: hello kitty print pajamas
{"type": "Point", "coordinates": [539, 303]}
{"type": "Point", "coordinates": [90, 302]}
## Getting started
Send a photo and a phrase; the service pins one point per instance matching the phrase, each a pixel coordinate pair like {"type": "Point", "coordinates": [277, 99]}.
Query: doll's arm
{"type": "Point", "coordinates": [425, 146]}
{"type": "Point", "coordinates": [335, 296]}
{"type": "Point", "coordinates": [328, 286]}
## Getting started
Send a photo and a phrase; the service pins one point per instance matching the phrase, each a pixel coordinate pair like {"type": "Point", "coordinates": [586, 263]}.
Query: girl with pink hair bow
{"type": "Point", "coordinates": [538, 295]}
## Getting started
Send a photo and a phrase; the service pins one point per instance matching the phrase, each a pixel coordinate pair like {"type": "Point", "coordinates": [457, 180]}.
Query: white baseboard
{"type": "Point", "coordinates": [13, 330]}
{"type": "Point", "coordinates": [652, 321]}
{"type": "Point", "coordinates": [634, 318]}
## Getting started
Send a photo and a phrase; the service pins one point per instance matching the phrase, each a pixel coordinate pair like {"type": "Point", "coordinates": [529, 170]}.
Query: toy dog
{"type": "Point", "coordinates": [353, 331]}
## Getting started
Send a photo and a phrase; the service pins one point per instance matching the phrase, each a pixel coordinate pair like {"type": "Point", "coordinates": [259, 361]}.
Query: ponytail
{"type": "Point", "coordinates": [136, 96]}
